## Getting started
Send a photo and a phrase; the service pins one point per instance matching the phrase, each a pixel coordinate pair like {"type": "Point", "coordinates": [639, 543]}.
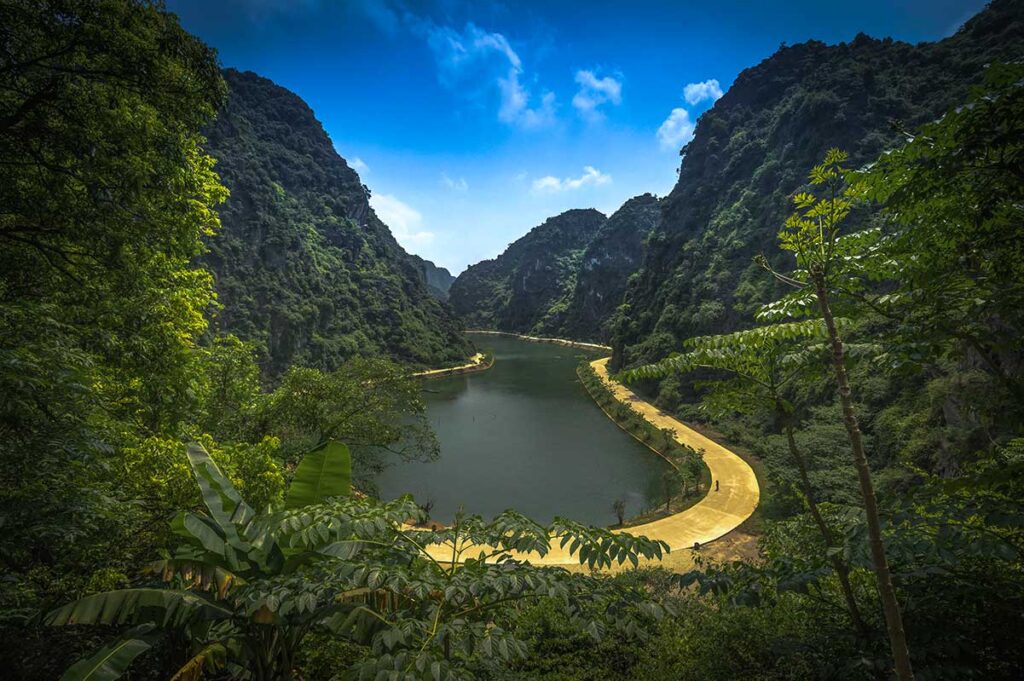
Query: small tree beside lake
{"type": "Point", "coordinates": [619, 506]}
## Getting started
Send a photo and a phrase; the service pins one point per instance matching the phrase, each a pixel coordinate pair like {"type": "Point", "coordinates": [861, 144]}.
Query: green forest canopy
{"type": "Point", "coordinates": [108, 371]}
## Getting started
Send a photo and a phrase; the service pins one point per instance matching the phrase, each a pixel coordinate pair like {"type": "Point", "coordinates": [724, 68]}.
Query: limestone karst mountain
{"type": "Point", "coordinates": [302, 263]}
{"type": "Point", "coordinates": [516, 290]}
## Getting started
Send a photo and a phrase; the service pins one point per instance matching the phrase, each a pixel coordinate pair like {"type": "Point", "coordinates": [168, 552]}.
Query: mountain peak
{"type": "Point", "coordinates": [302, 263]}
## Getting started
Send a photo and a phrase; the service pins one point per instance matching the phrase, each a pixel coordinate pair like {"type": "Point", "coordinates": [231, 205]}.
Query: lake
{"type": "Point", "coordinates": [524, 434]}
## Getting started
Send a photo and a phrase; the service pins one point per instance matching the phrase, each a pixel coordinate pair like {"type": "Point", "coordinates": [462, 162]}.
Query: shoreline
{"type": "Point", "coordinates": [541, 339]}
{"type": "Point", "coordinates": [478, 362]}
{"type": "Point", "coordinates": [717, 514]}
{"type": "Point", "coordinates": [636, 521]}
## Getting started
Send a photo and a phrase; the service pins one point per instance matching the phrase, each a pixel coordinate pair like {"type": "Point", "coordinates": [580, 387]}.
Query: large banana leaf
{"type": "Point", "coordinates": [222, 500]}
{"type": "Point", "coordinates": [211, 658]}
{"type": "Point", "coordinates": [110, 662]}
{"type": "Point", "coordinates": [231, 554]}
{"type": "Point", "coordinates": [324, 472]}
{"type": "Point", "coordinates": [199, 529]}
{"type": "Point", "coordinates": [166, 608]}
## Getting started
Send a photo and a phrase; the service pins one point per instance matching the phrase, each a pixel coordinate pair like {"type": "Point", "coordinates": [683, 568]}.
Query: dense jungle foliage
{"type": "Point", "coordinates": [108, 364]}
{"type": "Point", "coordinates": [302, 266]}
{"type": "Point", "coordinates": [166, 514]}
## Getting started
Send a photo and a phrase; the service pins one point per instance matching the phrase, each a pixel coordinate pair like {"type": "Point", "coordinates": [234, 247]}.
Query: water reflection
{"type": "Point", "coordinates": [525, 435]}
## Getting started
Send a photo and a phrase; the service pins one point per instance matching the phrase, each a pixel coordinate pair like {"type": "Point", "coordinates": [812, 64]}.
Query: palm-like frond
{"type": "Point", "coordinates": [111, 661]}
{"type": "Point", "coordinates": [164, 607]}
{"type": "Point", "coordinates": [323, 473]}
{"type": "Point", "coordinates": [757, 354]}
{"type": "Point", "coordinates": [211, 658]}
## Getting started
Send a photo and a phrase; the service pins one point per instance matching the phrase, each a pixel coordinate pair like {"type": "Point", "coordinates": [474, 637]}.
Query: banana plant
{"type": "Point", "coordinates": [244, 589]}
{"type": "Point", "coordinates": [236, 588]}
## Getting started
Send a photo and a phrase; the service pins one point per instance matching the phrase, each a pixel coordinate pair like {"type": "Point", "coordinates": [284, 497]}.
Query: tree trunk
{"type": "Point", "coordinates": [838, 564]}
{"type": "Point", "coordinates": [890, 606]}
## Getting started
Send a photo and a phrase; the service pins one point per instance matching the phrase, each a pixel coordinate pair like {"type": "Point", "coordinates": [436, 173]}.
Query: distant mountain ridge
{"type": "Point", "coordinates": [660, 271]}
{"type": "Point", "coordinates": [558, 283]}
{"type": "Point", "coordinates": [521, 288]}
{"type": "Point", "coordinates": [302, 264]}
{"type": "Point", "coordinates": [438, 280]}
{"type": "Point", "coordinates": [610, 258]}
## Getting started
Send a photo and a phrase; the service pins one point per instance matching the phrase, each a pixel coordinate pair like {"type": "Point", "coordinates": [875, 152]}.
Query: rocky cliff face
{"type": "Point", "coordinates": [610, 258]}
{"type": "Point", "coordinates": [302, 264]}
{"type": "Point", "coordinates": [688, 258]}
{"type": "Point", "coordinates": [565, 278]}
{"type": "Point", "coordinates": [754, 148]}
{"type": "Point", "coordinates": [437, 279]}
{"type": "Point", "coordinates": [517, 290]}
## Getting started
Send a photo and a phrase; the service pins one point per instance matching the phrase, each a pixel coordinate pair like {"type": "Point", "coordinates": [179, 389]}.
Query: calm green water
{"type": "Point", "coordinates": [525, 435]}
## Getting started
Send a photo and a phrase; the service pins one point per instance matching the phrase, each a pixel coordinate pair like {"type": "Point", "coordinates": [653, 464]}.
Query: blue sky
{"type": "Point", "coordinates": [472, 122]}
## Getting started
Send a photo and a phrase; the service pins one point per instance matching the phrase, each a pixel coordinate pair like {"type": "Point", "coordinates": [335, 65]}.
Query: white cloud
{"type": "Point", "coordinates": [474, 55]}
{"type": "Point", "coordinates": [515, 107]}
{"type": "Point", "coordinates": [405, 221]}
{"type": "Point", "coordinates": [594, 92]}
{"type": "Point", "coordinates": [549, 184]}
{"type": "Point", "coordinates": [455, 50]}
{"type": "Point", "coordinates": [359, 166]}
{"type": "Point", "coordinates": [459, 185]}
{"type": "Point", "coordinates": [677, 129]}
{"type": "Point", "coordinates": [695, 93]}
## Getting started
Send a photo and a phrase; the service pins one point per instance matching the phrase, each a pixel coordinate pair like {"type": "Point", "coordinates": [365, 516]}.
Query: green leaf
{"type": "Point", "coordinates": [110, 662]}
{"type": "Point", "coordinates": [324, 472]}
{"type": "Point", "coordinates": [165, 607]}
{"type": "Point", "coordinates": [346, 550]}
{"type": "Point", "coordinates": [200, 529]}
{"type": "Point", "coordinates": [222, 500]}
{"type": "Point", "coordinates": [211, 658]}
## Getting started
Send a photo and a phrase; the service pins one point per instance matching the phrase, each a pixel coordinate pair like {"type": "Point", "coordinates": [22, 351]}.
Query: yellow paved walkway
{"type": "Point", "coordinates": [541, 339]}
{"type": "Point", "coordinates": [475, 363]}
{"type": "Point", "coordinates": [717, 513]}
{"type": "Point", "coordinates": [709, 519]}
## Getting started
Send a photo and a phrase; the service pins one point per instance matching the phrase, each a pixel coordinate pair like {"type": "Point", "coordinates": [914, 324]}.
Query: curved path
{"type": "Point", "coordinates": [718, 513]}
{"type": "Point", "coordinates": [476, 363]}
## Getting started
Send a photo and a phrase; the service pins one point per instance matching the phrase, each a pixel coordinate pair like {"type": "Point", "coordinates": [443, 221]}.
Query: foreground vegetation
{"type": "Point", "coordinates": [161, 505]}
{"type": "Point", "coordinates": [922, 295]}
{"type": "Point", "coordinates": [244, 590]}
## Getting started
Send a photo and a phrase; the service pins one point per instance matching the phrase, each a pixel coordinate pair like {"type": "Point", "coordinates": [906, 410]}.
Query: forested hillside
{"type": "Point", "coordinates": [834, 289]}
{"type": "Point", "coordinates": [749, 152]}
{"type": "Point", "coordinates": [302, 265]}
{"type": "Point", "coordinates": [438, 280]}
{"type": "Point", "coordinates": [610, 258]}
{"type": "Point", "coordinates": [753, 148]}
{"type": "Point", "coordinates": [516, 290]}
